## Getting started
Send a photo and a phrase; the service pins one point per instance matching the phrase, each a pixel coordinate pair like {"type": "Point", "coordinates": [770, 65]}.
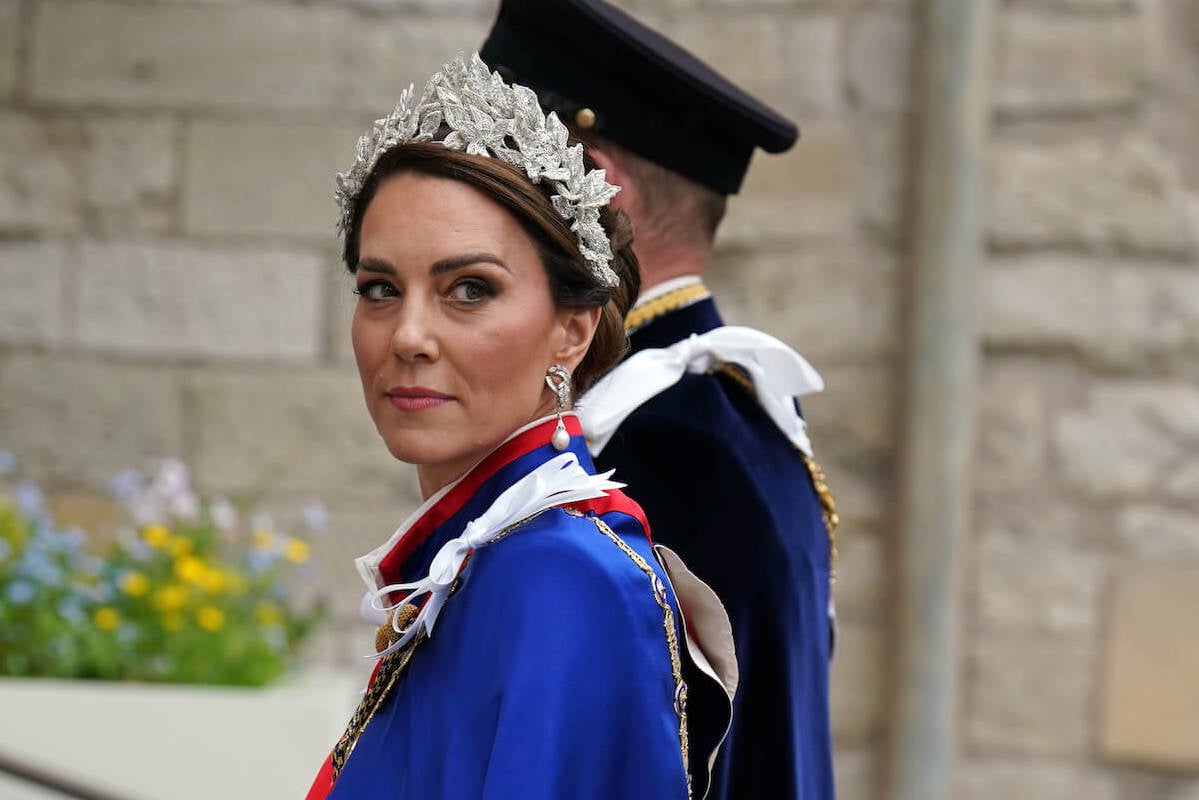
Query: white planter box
{"type": "Point", "coordinates": [154, 742]}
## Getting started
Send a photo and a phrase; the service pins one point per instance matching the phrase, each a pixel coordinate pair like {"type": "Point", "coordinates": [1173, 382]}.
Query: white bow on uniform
{"type": "Point", "coordinates": [779, 375]}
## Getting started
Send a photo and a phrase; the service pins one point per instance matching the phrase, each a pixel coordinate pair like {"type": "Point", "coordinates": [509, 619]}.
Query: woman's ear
{"type": "Point", "coordinates": [578, 327]}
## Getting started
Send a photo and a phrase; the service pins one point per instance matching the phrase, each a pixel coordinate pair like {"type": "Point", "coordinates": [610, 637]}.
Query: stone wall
{"type": "Point", "coordinates": [169, 286]}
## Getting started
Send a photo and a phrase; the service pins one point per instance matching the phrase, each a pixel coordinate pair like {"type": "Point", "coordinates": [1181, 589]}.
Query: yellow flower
{"type": "Point", "coordinates": [296, 551]}
{"type": "Point", "coordinates": [210, 618]}
{"type": "Point", "coordinates": [213, 581]}
{"type": "Point", "coordinates": [262, 540]}
{"type": "Point", "coordinates": [268, 613]}
{"type": "Point", "coordinates": [106, 618]}
{"type": "Point", "coordinates": [179, 546]}
{"type": "Point", "coordinates": [156, 535]}
{"type": "Point", "coordinates": [135, 584]}
{"type": "Point", "coordinates": [190, 569]}
{"type": "Point", "coordinates": [173, 622]}
{"type": "Point", "coordinates": [170, 598]}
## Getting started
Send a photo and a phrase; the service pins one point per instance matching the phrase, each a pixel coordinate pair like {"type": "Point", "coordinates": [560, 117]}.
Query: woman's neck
{"type": "Point", "coordinates": [434, 477]}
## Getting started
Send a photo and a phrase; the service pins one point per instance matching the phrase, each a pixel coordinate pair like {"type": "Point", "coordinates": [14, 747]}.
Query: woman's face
{"type": "Point", "coordinates": [454, 326]}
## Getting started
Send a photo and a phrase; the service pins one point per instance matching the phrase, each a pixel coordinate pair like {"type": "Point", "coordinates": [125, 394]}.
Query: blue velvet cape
{"type": "Point", "coordinates": [723, 487]}
{"type": "Point", "coordinates": [549, 673]}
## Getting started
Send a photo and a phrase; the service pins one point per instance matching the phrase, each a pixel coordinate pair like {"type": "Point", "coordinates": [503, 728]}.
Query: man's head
{"type": "Point", "coordinates": [674, 133]}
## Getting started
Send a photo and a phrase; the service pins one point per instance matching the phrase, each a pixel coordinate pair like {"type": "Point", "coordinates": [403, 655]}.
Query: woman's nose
{"type": "Point", "coordinates": [414, 337]}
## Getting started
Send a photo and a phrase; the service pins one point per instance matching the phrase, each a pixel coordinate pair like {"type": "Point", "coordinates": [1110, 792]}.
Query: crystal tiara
{"type": "Point", "coordinates": [488, 117]}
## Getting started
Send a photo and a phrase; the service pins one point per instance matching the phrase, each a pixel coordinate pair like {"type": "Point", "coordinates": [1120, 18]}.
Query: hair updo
{"type": "Point", "coordinates": [570, 280]}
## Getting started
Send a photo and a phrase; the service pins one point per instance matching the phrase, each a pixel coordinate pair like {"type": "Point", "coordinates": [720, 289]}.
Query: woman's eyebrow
{"type": "Point", "coordinates": [465, 260]}
{"type": "Point", "coordinates": [376, 265]}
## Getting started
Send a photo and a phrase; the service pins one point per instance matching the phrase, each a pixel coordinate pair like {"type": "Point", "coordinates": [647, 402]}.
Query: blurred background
{"type": "Point", "coordinates": [170, 287]}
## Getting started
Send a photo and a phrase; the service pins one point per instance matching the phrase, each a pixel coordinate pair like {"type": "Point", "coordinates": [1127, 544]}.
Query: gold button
{"type": "Point", "coordinates": [585, 118]}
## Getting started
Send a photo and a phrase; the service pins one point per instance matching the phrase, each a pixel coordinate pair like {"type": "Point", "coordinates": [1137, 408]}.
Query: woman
{"type": "Point", "coordinates": [533, 646]}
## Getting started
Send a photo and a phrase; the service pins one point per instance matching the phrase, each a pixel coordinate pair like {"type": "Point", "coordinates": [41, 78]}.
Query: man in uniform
{"type": "Point", "coordinates": [700, 420]}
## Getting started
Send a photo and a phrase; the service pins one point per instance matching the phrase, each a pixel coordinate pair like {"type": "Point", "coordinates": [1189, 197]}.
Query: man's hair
{"type": "Point", "coordinates": [675, 208]}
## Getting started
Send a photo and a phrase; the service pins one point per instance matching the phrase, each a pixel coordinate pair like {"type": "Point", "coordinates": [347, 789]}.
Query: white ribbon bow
{"type": "Point", "coordinates": [779, 375]}
{"type": "Point", "coordinates": [556, 482]}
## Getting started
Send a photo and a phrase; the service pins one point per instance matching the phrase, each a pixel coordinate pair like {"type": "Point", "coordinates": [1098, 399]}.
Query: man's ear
{"type": "Point", "coordinates": [627, 199]}
{"type": "Point", "coordinates": [578, 328]}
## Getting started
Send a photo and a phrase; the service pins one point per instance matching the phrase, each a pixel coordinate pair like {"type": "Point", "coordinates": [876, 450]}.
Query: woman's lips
{"type": "Point", "coordinates": [416, 398]}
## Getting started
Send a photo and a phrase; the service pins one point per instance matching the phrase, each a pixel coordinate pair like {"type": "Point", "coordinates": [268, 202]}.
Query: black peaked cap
{"type": "Point", "coordinates": [601, 69]}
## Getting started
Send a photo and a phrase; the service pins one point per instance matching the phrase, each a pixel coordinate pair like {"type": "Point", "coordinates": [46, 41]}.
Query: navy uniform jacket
{"type": "Point", "coordinates": [723, 487]}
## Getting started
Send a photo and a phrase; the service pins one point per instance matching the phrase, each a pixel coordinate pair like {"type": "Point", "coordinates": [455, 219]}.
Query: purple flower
{"type": "Point", "coordinates": [21, 592]}
{"type": "Point", "coordinates": [29, 498]}
{"type": "Point", "coordinates": [126, 485]}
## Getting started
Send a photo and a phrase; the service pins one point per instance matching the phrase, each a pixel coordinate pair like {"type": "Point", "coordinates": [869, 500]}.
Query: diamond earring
{"type": "Point", "coordinates": [557, 377]}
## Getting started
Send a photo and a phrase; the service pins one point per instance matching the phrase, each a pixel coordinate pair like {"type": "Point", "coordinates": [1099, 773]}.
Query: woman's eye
{"type": "Point", "coordinates": [471, 290]}
{"type": "Point", "coordinates": [376, 290]}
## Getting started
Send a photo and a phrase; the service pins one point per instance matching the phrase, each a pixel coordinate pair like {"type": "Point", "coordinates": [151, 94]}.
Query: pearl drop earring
{"type": "Point", "coordinates": [558, 379]}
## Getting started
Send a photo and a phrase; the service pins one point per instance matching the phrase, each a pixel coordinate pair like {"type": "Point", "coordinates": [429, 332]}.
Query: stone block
{"type": "Point", "coordinates": [1063, 63]}
{"type": "Point", "coordinates": [264, 179]}
{"type": "Point", "coordinates": [129, 174]}
{"type": "Point", "coordinates": [1131, 439]}
{"type": "Point", "coordinates": [289, 431]}
{"type": "Point", "coordinates": [1123, 196]}
{"type": "Point", "coordinates": [31, 293]}
{"type": "Point", "coordinates": [856, 693]}
{"type": "Point", "coordinates": [382, 58]}
{"type": "Point", "coordinates": [1158, 533]}
{"type": "Point", "coordinates": [39, 174]}
{"type": "Point", "coordinates": [832, 304]}
{"type": "Point", "coordinates": [1150, 695]}
{"type": "Point", "coordinates": [1031, 694]}
{"type": "Point", "coordinates": [813, 62]}
{"type": "Point", "coordinates": [252, 56]}
{"type": "Point", "coordinates": [10, 29]}
{"type": "Point", "coordinates": [1118, 314]}
{"type": "Point", "coordinates": [803, 194]}
{"type": "Point", "coordinates": [863, 580]}
{"type": "Point", "coordinates": [1012, 426]}
{"type": "Point", "coordinates": [853, 419]}
{"type": "Point", "coordinates": [183, 300]}
{"type": "Point", "coordinates": [1042, 779]}
{"type": "Point", "coordinates": [880, 174]}
{"type": "Point", "coordinates": [857, 773]}
{"type": "Point", "coordinates": [79, 421]}
{"type": "Point", "coordinates": [879, 59]}
{"type": "Point", "coordinates": [1028, 584]}
{"type": "Point", "coordinates": [340, 302]}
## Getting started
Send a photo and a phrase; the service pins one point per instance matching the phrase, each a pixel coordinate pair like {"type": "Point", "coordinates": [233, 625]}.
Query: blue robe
{"type": "Point", "coordinates": [549, 674]}
{"type": "Point", "coordinates": [723, 487]}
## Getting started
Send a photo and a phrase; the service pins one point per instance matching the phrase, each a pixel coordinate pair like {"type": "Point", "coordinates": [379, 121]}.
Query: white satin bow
{"type": "Point", "coordinates": [779, 375]}
{"type": "Point", "coordinates": [556, 482]}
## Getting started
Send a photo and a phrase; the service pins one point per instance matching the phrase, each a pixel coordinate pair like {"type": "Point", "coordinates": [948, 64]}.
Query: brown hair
{"type": "Point", "coordinates": [571, 283]}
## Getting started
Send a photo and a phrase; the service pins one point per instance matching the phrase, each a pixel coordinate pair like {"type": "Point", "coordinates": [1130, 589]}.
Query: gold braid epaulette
{"type": "Point", "coordinates": [668, 302]}
{"type": "Point", "coordinates": [828, 504]}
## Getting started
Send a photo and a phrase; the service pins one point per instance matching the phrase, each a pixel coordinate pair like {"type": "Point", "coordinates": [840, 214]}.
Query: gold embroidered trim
{"type": "Point", "coordinates": [668, 302]}
{"type": "Point", "coordinates": [828, 504]}
{"type": "Point", "coordinates": [672, 636]}
{"type": "Point", "coordinates": [392, 667]}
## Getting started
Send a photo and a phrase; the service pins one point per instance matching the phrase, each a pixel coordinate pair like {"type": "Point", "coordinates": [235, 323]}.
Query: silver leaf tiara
{"type": "Point", "coordinates": [485, 117]}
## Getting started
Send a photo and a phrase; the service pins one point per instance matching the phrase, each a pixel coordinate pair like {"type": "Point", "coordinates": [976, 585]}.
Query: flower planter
{"type": "Point", "coordinates": [161, 742]}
